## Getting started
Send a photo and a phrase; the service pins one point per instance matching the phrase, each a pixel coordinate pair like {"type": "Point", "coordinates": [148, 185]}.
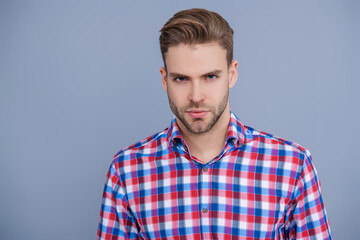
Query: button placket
{"type": "Point", "coordinates": [205, 173]}
{"type": "Point", "coordinates": [205, 188]}
{"type": "Point", "coordinates": [205, 198]}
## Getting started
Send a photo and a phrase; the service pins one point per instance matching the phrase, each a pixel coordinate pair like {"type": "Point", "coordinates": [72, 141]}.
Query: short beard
{"type": "Point", "coordinates": [218, 112]}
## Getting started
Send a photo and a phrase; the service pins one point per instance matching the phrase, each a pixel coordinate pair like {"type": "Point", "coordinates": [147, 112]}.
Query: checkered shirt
{"type": "Point", "coordinates": [259, 187]}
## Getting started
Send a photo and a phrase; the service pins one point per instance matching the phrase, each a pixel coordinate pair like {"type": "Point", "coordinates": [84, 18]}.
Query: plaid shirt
{"type": "Point", "coordinates": [259, 187]}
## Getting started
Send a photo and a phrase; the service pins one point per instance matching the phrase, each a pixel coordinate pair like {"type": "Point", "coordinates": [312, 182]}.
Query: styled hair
{"type": "Point", "coordinates": [196, 26]}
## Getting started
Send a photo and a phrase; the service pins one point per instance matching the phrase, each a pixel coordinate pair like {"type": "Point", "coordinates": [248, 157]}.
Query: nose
{"type": "Point", "coordinates": [196, 92]}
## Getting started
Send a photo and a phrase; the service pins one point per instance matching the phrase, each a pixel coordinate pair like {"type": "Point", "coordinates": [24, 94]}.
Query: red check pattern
{"type": "Point", "coordinates": [259, 187]}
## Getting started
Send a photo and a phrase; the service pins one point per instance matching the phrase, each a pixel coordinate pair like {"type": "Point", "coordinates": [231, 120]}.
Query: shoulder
{"type": "Point", "coordinates": [286, 160]}
{"type": "Point", "coordinates": [252, 139]}
{"type": "Point", "coordinates": [150, 146]}
{"type": "Point", "coordinates": [273, 140]}
{"type": "Point", "coordinates": [139, 158]}
{"type": "Point", "coordinates": [280, 149]}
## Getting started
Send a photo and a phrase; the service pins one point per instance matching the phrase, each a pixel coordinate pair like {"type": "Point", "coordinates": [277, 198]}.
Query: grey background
{"type": "Point", "coordinates": [79, 80]}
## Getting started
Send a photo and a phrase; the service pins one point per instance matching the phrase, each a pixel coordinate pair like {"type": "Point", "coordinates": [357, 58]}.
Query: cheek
{"type": "Point", "coordinates": [217, 91]}
{"type": "Point", "coordinates": [177, 95]}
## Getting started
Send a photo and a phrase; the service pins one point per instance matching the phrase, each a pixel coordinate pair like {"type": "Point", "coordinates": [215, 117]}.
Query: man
{"type": "Point", "coordinates": [208, 176]}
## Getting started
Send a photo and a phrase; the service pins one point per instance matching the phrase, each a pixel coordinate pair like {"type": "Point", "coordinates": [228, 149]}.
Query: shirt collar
{"type": "Point", "coordinates": [173, 133]}
{"type": "Point", "coordinates": [237, 133]}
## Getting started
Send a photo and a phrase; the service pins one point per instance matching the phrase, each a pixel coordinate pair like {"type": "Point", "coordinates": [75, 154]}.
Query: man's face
{"type": "Point", "coordinates": [197, 81]}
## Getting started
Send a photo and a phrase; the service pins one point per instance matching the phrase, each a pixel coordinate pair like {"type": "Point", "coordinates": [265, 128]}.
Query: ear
{"type": "Point", "coordinates": [163, 77]}
{"type": "Point", "coordinates": [233, 73]}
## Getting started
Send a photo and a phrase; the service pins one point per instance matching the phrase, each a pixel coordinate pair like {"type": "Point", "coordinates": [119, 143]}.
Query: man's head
{"type": "Point", "coordinates": [197, 49]}
{"type": "Point", "coordinates": [195, 26]}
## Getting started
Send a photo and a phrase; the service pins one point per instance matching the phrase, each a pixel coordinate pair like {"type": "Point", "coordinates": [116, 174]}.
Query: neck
{"type": "Point", "coordinates": [208, 145]}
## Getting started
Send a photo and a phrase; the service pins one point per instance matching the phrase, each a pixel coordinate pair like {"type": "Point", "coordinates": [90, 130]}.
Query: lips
{"type": "Point", "coordinates": [197, 113]}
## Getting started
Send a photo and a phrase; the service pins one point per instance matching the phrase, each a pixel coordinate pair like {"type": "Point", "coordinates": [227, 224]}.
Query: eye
{"type": "Point", "coordinates": [179, 79]}
{"type": "Point", "coordinates": [211, 77]}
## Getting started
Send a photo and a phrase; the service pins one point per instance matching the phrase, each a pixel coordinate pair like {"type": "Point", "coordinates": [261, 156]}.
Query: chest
{"type": "Point", "coordinates": [227, 198]}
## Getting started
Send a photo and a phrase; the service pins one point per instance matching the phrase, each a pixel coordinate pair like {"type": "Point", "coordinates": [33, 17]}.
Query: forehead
{"type": "Point", "coordinates": [195, 59]}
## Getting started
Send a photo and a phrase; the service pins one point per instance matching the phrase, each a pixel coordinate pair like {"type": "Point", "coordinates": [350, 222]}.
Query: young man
{"type": "Point", "coordinates": [208, 176]}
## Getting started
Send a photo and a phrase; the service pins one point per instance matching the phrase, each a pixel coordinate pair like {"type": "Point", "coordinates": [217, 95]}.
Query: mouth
{"type": "Point", "coordinates": [197, 113]}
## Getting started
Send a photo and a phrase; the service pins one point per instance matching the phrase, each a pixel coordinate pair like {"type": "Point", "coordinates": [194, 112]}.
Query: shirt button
{"type": "Point", "coordinates": [205, 169]}
{"type": "Point", "coordinates": [205, 210]}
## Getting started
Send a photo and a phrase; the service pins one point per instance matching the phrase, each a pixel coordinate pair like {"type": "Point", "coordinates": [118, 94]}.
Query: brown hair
{"type": "Point", "coordinates": [195, 26]}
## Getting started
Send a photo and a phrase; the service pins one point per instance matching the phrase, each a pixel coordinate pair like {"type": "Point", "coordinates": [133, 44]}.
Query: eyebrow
{"type": "Point", "coordinates": [214, 72]}
{"type": "Point", "coordinates": [175, 75]}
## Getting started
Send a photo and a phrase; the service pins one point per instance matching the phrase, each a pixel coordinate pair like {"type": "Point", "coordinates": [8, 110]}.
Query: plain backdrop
{"type": "Point", "coordinates": [79, 80]}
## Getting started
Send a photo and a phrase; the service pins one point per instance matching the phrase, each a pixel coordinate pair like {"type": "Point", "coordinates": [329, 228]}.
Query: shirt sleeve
{"type": "Point", "coordinates": [116, 219]}
{"type": "Point", "coordinates": [309, 219]}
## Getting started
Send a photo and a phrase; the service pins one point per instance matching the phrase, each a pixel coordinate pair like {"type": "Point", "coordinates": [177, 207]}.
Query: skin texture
{"type": "Point", "coordinates": [197, 81]}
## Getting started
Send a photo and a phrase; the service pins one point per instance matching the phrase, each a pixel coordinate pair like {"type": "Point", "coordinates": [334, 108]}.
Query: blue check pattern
{"type": "Point", "coordinates": [259, 187]}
